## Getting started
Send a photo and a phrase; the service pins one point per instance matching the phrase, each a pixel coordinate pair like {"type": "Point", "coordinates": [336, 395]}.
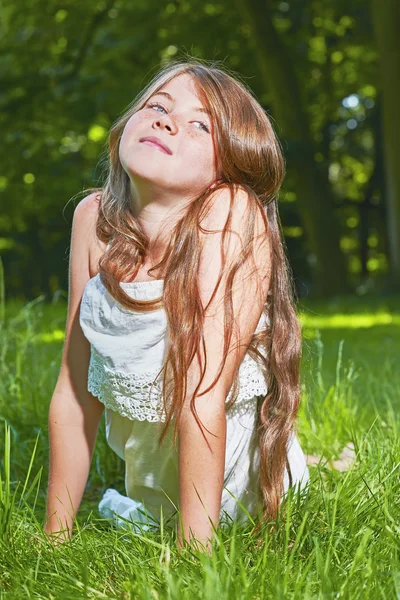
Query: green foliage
{"type": "Point", "coordinates": [68, 71]}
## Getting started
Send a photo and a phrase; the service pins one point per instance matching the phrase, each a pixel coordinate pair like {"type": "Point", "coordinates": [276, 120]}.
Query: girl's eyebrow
{"type": "Point", "coordinates": [203, 110]}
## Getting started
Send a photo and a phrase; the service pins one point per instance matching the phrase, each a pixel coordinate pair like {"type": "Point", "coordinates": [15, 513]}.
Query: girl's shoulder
{"type": "Point", "coordinates": [87, 211]}
{"type": "Point", "coordinates": [89, 205]}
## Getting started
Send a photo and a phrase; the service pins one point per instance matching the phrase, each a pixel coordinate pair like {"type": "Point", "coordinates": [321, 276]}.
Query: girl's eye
{"type": "Point", "coordinates": [204, 126]}
{"type": "Point", "coordinates": [158, 105]}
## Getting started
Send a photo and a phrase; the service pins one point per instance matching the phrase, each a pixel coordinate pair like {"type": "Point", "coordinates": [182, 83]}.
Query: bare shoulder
{"type": "Point", "coordinates": [238, 202]}
{"type": "Point", "coordinates": [87, 209]}
{"type": "Point", "coordinates": [219, 203]}
{"type": "Point", "coordinates": [85, 216]}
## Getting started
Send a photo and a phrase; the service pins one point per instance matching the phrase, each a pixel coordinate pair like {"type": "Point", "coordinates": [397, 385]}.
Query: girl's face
{"type": "Point", "coordinates": [175, 116]}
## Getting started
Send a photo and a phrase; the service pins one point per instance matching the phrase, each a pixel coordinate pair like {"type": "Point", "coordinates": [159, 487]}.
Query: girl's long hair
{"type": "Point", "coordinates": [249, 157]}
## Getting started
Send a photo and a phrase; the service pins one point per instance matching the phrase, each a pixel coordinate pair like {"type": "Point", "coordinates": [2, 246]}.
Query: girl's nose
{"type": "Point", "coordinates": [167, 123]}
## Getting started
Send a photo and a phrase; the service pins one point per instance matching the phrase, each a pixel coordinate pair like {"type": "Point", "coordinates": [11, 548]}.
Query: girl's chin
{"type": "Point", "coordinates": [148, 172]}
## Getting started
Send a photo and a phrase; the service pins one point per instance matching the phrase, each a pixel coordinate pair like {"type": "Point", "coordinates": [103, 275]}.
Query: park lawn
{"type": "Point", "coordinates": [342, 540]}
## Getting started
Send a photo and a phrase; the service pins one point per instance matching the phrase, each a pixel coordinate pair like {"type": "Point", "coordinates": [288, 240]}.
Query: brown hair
{"type": "Point", "coordinates": [250, 158]}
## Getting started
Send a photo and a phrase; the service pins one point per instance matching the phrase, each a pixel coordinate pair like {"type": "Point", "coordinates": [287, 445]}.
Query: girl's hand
{"type": "Point", "coordinates": [55, 536]}
{"type": "Point", "coordinates": [192, 544]}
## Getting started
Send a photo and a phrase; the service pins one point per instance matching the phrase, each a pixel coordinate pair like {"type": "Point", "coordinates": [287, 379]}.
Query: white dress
{"type": "Point", "coordinates": [127, 353]}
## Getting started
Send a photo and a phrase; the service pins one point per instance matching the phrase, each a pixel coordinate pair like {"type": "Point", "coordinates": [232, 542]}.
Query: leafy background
{"type": "Point", "coordinates": [69, 69]}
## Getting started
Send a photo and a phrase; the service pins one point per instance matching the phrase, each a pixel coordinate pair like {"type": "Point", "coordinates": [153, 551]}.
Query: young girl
{"type": "Point", "coordinates": [181, 318]}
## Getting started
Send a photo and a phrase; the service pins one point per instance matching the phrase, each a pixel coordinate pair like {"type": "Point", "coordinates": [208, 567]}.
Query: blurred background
{"type": "Point", "coordinates": [326, 71]}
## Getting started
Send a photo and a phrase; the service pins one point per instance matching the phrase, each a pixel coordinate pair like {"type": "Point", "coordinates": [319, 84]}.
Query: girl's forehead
{"type": "Point", "coordinates": [180, 86]}
{"type": "Point", "coordinates": [181, 79]}
{"type": "Point", "coordinates": [183, 90]}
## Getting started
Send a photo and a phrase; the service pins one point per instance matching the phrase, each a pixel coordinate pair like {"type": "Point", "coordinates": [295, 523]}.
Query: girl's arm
{"type": "Point", "coordinates": [201, 471]}
{"type": "Point", "coordinates": [201, 468]}
{"type": "Point", "coordinates": [74, 413]}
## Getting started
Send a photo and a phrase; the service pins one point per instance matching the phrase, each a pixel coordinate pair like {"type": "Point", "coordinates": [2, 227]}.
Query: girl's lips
{"type": "Point", "coordinates": [151, 141]}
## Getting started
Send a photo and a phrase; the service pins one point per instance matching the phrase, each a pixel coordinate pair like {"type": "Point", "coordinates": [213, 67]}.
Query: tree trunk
{"type": "Point", "coordinates": [313, 190]}
{"type": "Point", "coordinates": [386, 17]}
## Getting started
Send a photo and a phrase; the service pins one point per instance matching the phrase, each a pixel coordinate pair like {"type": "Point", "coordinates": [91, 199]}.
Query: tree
{"type": "Point", "coordinates": [313, 190]}
{"type": "Point", "coordinates": [85, 64]}
{"type": "Point", "coordinates": [387, 25]}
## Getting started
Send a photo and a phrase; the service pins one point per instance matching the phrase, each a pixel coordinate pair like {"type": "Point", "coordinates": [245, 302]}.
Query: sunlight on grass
{"type": "Point", "coordinates": [348, 321]}
{"type": "Point", "coordinates": [52, 336]}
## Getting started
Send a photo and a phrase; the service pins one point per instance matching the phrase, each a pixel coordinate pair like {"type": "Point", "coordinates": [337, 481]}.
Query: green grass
{"type": "Point", "coordinates": [342, 540]}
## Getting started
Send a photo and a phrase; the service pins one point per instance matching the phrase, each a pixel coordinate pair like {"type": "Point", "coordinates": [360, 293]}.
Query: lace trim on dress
{"type": "Point", "coordinates": [138, 397]}
{"type": "Point", "coordinates": [126, 394]}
